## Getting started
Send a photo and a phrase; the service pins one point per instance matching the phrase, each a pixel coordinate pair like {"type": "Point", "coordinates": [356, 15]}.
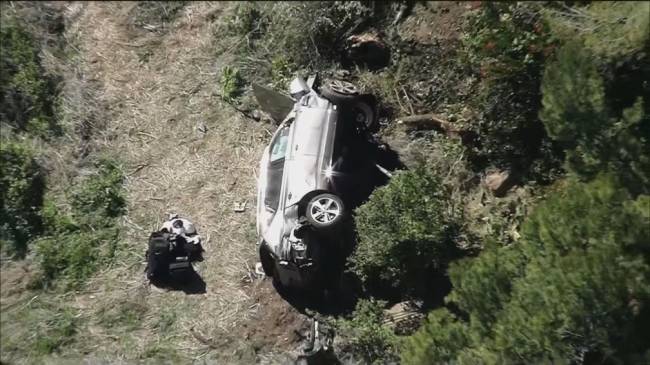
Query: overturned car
{"type": "Point", "coordinates": [316, 166]}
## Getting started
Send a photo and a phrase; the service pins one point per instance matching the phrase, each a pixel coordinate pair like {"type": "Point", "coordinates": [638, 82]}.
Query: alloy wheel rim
{"type": "Point", "coordinates": [344, 87]}
{"type": "Point", "coordinates": [325, 210]}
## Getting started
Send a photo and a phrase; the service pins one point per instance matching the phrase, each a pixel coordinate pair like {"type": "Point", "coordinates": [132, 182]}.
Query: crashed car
{"type": "Point", "coordinates": [310, 172]}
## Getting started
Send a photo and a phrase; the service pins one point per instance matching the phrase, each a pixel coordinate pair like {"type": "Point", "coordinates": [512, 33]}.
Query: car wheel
{"type": "Point", "coordinates": [268, 264]}
{"type": "Point", "coordinates": [338, 91]}
{"type": "Point", "coordinates": [324, 210]}
{"type": "Point", "coordinates": [365, 114]}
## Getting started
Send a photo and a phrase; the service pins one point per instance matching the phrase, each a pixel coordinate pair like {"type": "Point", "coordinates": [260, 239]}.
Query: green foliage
{"type": "Point", "coordinates": [609, 30]}
{"type": "Point", "coordinates": [247, 19]}
{"type": "Point", "coordinates": [272, 40]}
{"type": "Point", "coordinates": [100, 196]}
{"type": "Point", "coordinates": [597, 135]}
{"type": "Point", "coordinates": [366, 336]}
{"type": "Point", "coordinates": [549, 297]}
{"type": "Point", "coordinates": [27, 94]}
{"type": "Point", "coordinates": [59, 330]}
{"type": "Point", "coordinates": [439, 340]}
{"type": "Point", "coordinates": [282, 71]}
{"type": "Point", "coordinates": [508, 43]}
{"type": "Point", "coordinates": [72, 257]}
{"type": "Point", "coordinates": [482, 286]}
{"type": "Point", "coordinates": [506, 37]}
{"type": "Point", "coordinates": [231, 83]}
{"type": "Point", "coordinates": [77, 244]}
{"type": "Point", "coordinates": [406, 230]}
{"type": "Point", "coordinates": [22, 185]}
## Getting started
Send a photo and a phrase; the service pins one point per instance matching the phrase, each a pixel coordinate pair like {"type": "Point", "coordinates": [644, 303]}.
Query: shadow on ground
{"type": "Point", "coordinates": [189, 282]}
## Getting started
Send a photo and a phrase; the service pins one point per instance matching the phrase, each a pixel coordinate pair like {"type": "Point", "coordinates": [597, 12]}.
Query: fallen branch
{"type": "Point", "coordinates": [206, 341]}
{"type": "Point", "coordinates": [430, 121]}
{"type": "Point", "coordinates": [434, 121]}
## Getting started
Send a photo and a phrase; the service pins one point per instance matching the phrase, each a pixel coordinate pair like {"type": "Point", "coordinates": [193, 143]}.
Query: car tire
{"type": "Point", "coordinates": [268, 264]}
{"type": "Point", "coordinates": [364, 110]}
{"type": "Point", "coordinates": [324, 211]}
{"type": "Point", "coordinates": [340, 92]}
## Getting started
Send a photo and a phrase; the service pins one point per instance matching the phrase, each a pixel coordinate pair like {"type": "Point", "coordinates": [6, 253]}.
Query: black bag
{"type": "Point", "coordinates": [158, 255]}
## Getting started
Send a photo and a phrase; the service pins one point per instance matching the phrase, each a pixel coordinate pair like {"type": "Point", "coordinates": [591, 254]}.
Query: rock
{"type": "Point", "coordinates": [499, 182]}
{"type": "Point", "coordinates": [368, 49]}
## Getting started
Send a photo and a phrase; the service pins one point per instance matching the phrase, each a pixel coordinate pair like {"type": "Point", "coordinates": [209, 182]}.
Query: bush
{"type": "Point", "coordinates": [27, 94]}
{"type": "Point", "coordinates": [74, 256]}
{"type": "Point", "coordinates": [507, 44]}
{"type": "Point", "coordinates": [548, 298]}
{"type": "Point", "coordinates": [406, 230]}
{"type": "Point", "coordinates": [273, 40]}
{"type": "Point", "coordinates": [231, 84]}
{"type": "Point", "coordinates": [77, 244]}
{"type": "Point", "coordinates": [100, 196]}
{"type": "Point", "coordinates": [439, 340]}
{"type": "Point", "coordinates": [597, 136]}
{"type": "Point", "coordinates": [366, 336]}
{"type": "Point", "coordinates": [22, 185]}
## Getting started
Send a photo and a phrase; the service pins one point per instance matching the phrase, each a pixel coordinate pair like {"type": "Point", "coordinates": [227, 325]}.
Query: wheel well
{"type": "Point", "coordinates": [302, 206]}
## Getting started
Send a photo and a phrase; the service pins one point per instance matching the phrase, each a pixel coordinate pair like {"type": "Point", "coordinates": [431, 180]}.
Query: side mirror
{"type": "Point", "coordinates": [298, 88]}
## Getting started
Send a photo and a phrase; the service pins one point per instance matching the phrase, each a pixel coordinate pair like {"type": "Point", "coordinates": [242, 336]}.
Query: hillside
{"type": "Point", "coordinates": [523, 130]}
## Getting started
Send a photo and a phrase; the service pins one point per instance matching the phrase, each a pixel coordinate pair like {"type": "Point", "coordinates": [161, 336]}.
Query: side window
{"type": "Point", "coordinates": [279, 145]}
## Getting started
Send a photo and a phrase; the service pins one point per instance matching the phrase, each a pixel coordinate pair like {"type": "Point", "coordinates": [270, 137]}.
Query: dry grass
{"type": "Point", "coordinates": [146, 113]}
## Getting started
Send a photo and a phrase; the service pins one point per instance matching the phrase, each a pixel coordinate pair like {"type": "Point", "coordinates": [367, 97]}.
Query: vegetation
{"type": "Point", "coordinates": [541, 294]}
{"type": "Point", "coordinates": [406, 230]}
{"type": "Point", "coordinates": [22, 186]}
{"type": "Point", "coordinates": [556, 94]}
{"type": "Point", "coordinates": [51, 325]}
{"type": "Point", "coordinates": [365, 335]}
{"type": "Point", "coordinates": [27, 94]}
{"type": "Point", "coordinates": [76, 244]}
{"type": "Point", "coordinates": [548, 297]}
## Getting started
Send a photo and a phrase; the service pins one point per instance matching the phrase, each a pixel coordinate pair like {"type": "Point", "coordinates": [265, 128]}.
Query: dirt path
{"type": "Point", "coordinates": [160, 88]}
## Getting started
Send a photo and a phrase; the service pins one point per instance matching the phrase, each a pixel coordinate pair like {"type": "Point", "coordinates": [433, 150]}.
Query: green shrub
{"type": "Point", "coordinates": [22, 185]}
{"type": "Point", "coordinates": [231, 83]}
{"type": "Point", "coordinates": [73, 257]}
{"type": "Point", "coordinates": [597, 135]}
{"type": "Point", "coordinates": [77, 244]}
{"type": "Point", "coordinates": [100, 196]}
{"type": "Point", "coordinates": [247, 19]}
{"type": "Point", "coordinates": [573, 289]}
{"type": "Point", "coordinates": [366, 336]}
{"type": "Point", "coordinates": [507, 45]}
{"type": "Point", "coordinates": [269, 39]}
{"type": "Point", "coordinates": [406, 230]}
{"type": "Point", "coordinates": [439, 340]}
{"type": "Point", "coordinates": [27, 94]}
{"type": "Point", "coordinates": [610, 30]}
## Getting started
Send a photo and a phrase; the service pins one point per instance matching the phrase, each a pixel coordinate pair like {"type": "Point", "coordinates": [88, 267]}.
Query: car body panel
{"type": "Point", "coordinates": [312, 126]}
